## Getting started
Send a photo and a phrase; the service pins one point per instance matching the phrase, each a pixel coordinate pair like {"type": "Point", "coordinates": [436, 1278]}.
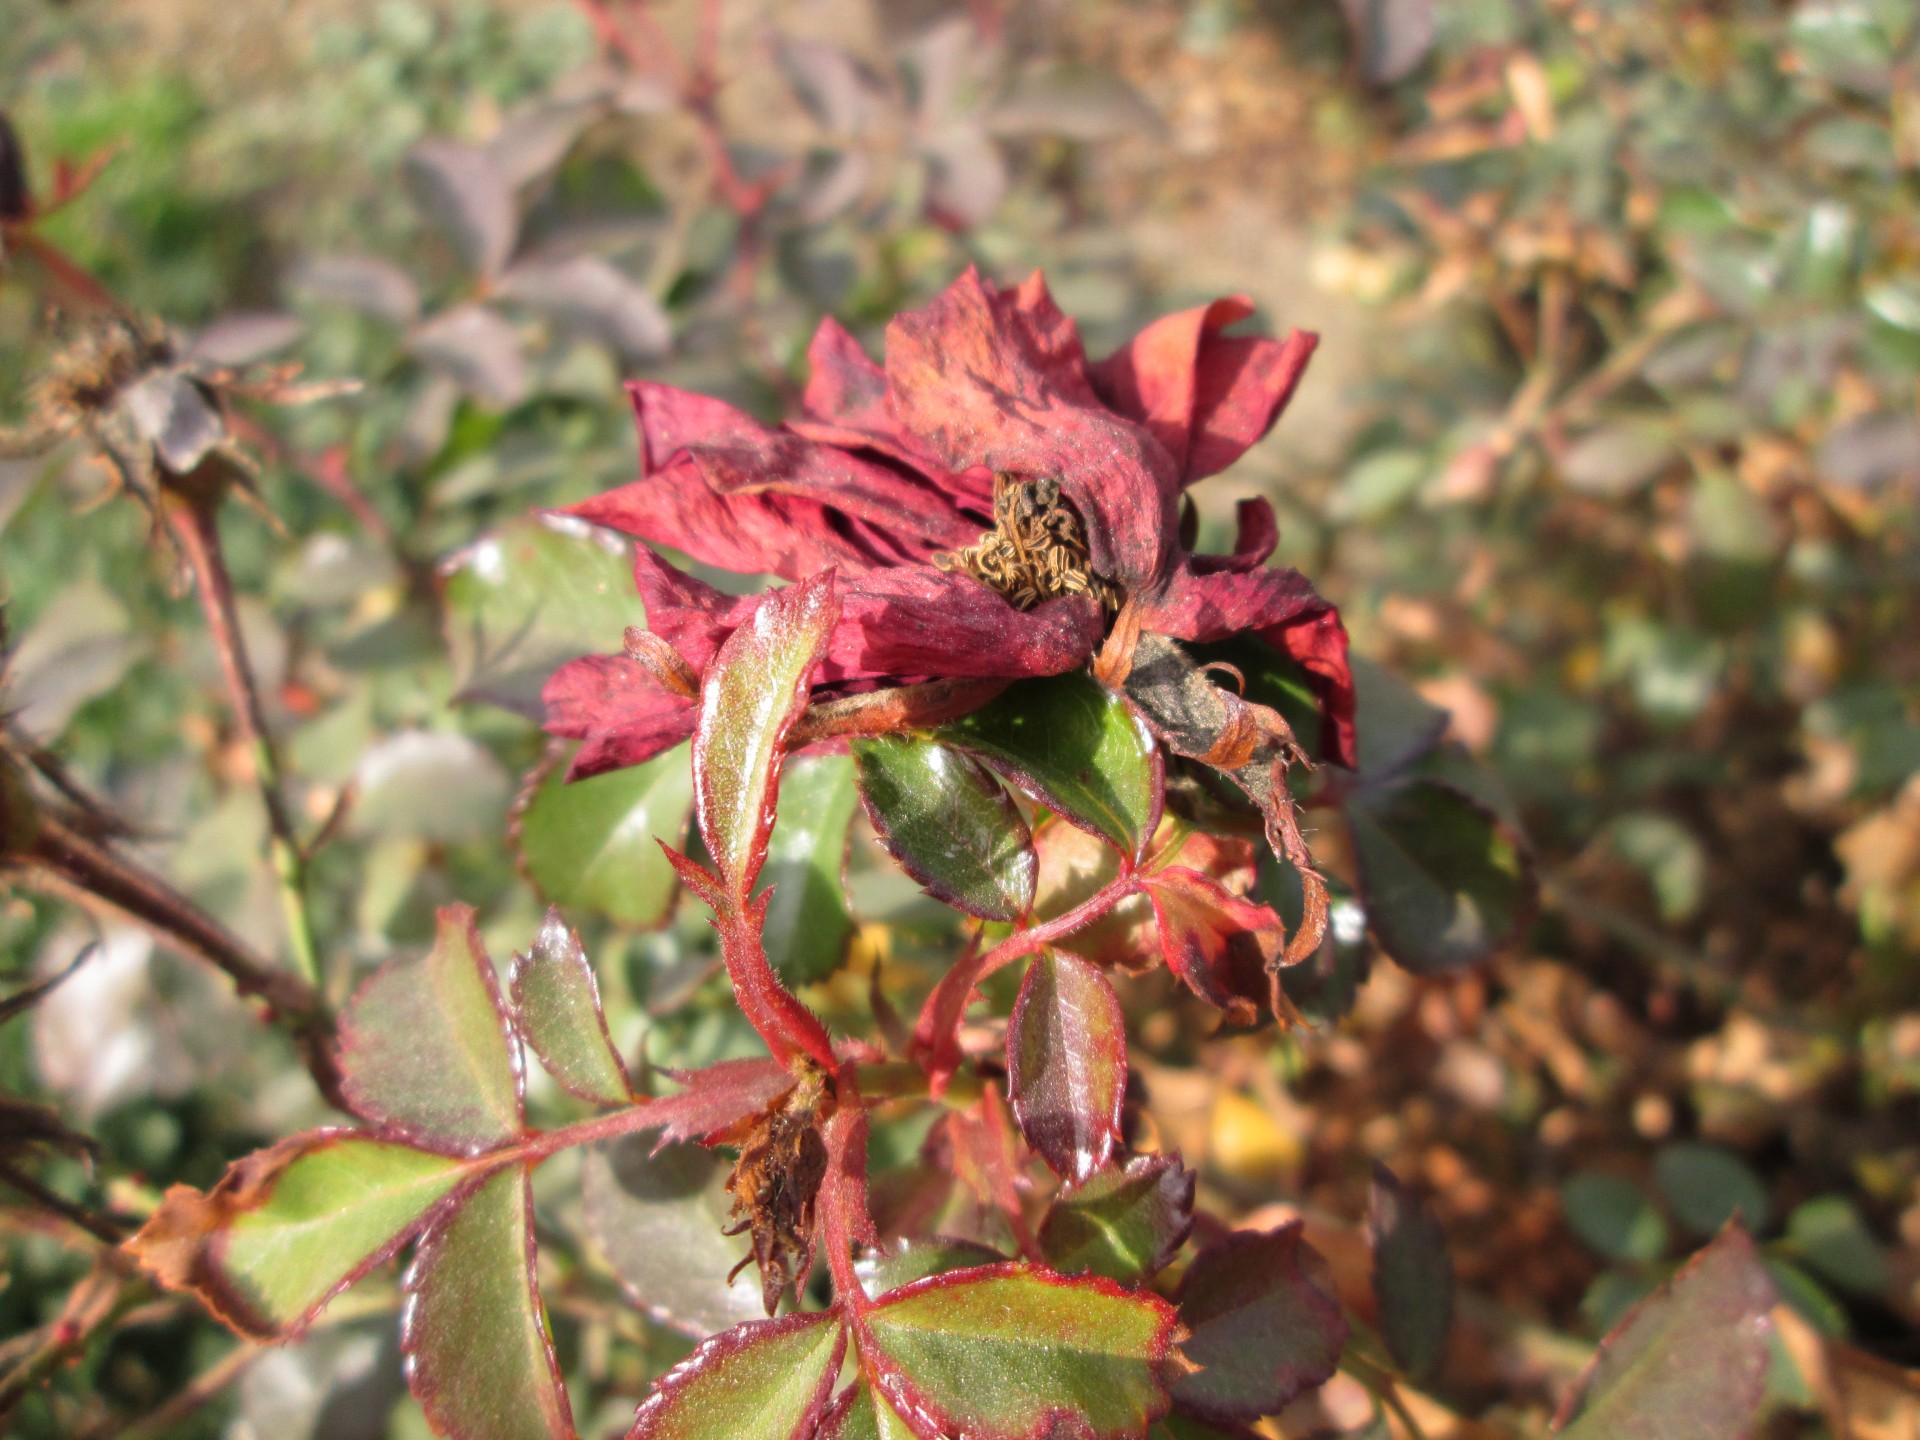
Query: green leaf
{"type": "Point", "coordinates": [1446, 883]}
{"type": "Point", "coordinates": [950, 824]}
{"type": "Point", "coordinates": [1412, 1277]}
{"type": "Point", "coordinates": [479, 1357]}
{"type": "Point", "coordinates": [556, 1004]}
{"type": "Point", "coordinates": [764, 1380]}
{"type": "Point", "coordinates": [1708, 1186]}
{"type": "Point", "coordinates": [1264, 1326]}
{"type": "Point", "coordinates": [424, 1046]}
{"type": "Point", "coordinates": [911, 1260]}
{"type": "Point", "coordinates": [1610, 1213]}
{"type": "Point", "coordinates": [1076, 747]}
{"type": "Point", "coordinates": [1124, 1223]}
{"type": "Point", "coordinates": [862, 1413]}
{"type": "Point", "coordinates": [1830, 1236]}
{"type": "Point", "coordinates": [529, 597]}
{"type": "Point", "coordinates": [657, 1219]}
{"type": "Point", "coordinates": [1690, 1361]}
{"type": "Point", "coordinates": [1395, 725]}
{"type": "Point", "coordinates": [807, 923]}
{"type": "Point", "coordinates": [1001, 1351]}
{"type": "Point", "coordinates": [290, 1227]}
{"type": "Point", "coordinates": [591, 843]}
{"type": "Point", "coordinates": [1067, 1063]}
{"type": "Point", "coordinates": [755, 687]}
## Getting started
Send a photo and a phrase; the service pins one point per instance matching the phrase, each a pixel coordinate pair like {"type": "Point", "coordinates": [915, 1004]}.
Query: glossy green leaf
{"type": "Point", "coordinates": [1067, 1063]}
{"type": "Point", "coordinates": [529, 597]}
{"type": "Point", "coordinates": [1708, 1186]}
{"type": "Point", "coordinates": [911, 1260]}
{"type": "Point", "coordinates": [1000, 1351]}
{"type": "Point", "coordinates": [1690, 1361]}
{"type": "Point", "coordinates": [807, 923]}
{"type": "Point", "coordinates": [1264, 1326]}
{"type": "Point", "coordinates": [1614, 1216]}
{"type": "Point", "coordinates": [479, 1356]}
{"type": "Point", "coordinates": [1446, 883]}
{"type": "Point", "coordinates": [950, 824]}
{"type": "Point", "coordinates": [657, 1219]}
{"type": "Point", "coordinates": [1828, 1233]}
{"type": "Point", "coordinates": [590, 844]}
{"type": "Point", "coordinates": [424, 1046]}
{"type": "Point", "coordinates": [1412, 1276]}
{"type": "Point", "coordinates": [290, 1227]}
{"type": "Point", "coordinates": [755, 688]}
{"type": "Point", "coordinates": [556, 1004]}
{"type": "Point", "coordinates": [1076, 747]}
{"type": "Point", "coordinates": [765, 1380]}
{"type": "Point", "coordinates": [1125, 1223]}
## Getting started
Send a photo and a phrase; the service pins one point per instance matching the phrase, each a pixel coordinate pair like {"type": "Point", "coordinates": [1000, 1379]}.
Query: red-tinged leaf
{"type": "Point", "coordinates": [1067, 1063]}
{"type": "Point", "coordinates": [1690, 1360]}
{"type": "Point", "coordinates": [1217, 942]}
{"type": "Point", "coordinates": [656, 1218]}
{"type": "Point", "coordinates": [755, 687]}
{"type": "Point", "coordinates": [1412, 1276]}
{"type": "Point", "coordinates": [425, 1049]}
{"type": "Point", "coordinates": [288, 1228]}
{"type": "Point", "coordinates": [1078, 748]}
{"type": "Point", "coordinates": [1125, 1223]}
{"type": "Point", "coordinates": [716, 1097]}
{"type": "Point", "coordinates": [1264, 1325]}
{"type": "Point", "coordinates": [1015, 1352]}
{"type": "Point", "coordinates": [949, 823]}
{"type": "Point", "coordinates": [910, 1260]}
{"type": "Point", "coordinates": [556, 1004]}
{"type": "Point", "coordinates": [862, 1413]}
{"type": "Point", "coordinates": [764, 1380]}
{"type": "Point", "coordinates": [1074, 867]}
{"type": "Point", "coordinates": [479, 1357]}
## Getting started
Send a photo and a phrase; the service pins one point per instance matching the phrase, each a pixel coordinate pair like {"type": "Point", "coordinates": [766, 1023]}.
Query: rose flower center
{"type": "Point", "coordinates": [1037, 549]}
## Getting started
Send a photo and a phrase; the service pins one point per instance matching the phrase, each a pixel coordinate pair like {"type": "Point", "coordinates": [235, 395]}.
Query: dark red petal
{"type": "Point", "coordinates": [985, 377]}
{"type": "Point", "coordinates": [1253, 542]}
{"type": "Point", "coordinates": [743, 496]}
{"type": "Point", "coordinates": [688, 613]}
{"type": "Point", "coordinates": [1283, 609]}
{"type": "Point", "coordinates": [921, 621]}
{"type": "Point", "coordinates": [1206, 397]}
{"type": "Point", "coordinates": [619, 712]}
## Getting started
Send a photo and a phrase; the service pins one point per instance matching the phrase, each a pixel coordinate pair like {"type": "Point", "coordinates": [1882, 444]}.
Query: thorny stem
{"type": "Point", "coordinates": [194, 520]}
{"type": "Point", "coordinates": [76, 868]}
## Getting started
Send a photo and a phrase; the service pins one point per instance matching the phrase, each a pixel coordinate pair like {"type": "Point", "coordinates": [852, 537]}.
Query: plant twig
{"type": "Point", "coordinates": [194, 521]}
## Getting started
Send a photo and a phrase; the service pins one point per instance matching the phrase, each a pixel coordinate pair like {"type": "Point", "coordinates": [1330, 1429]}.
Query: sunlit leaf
{"type": "Point", "coordinates": [288, 1228]}
{"type": "Point", "coordinates": [479, 1356]}
{"type": "Point", "coordinates": [1446, 883]}
{"type": "Point", "coordinates": [433, 785]}
{"type": "Point", "coordinates": [1412, 1276]}
{"type": "Point", "coordinates": [556, 1004]}
{"type": "Point", "coordinates": [862, 1413]}
{"type": "Point", "coordinates": [1691, 1360]}
{"type": "Point", "coordinates": [765, 1380]}
{"type": "Point", "coordinates": [1067, 1063]}
{"type": "Point", "coordinates": [1006, 1351]}
{"type": "Point", "coordinates": [950, 824]}
{"type": "Point", "coordinates": [591, 843]}
{"type": "Point", "coordinates": [477, 348]}
{"type": "Point", "coordinates": [908, 1261]}
{"type": "Point", "coordinates": [1125, 1223]}
{"type": "Point", "coordinates": [657, 1219]}
{"type": "Point", "coordinates": [807, 924]}
{"type": "Point", "coordinates": [1217, 942]}
{"type": "Point", "coordinates": [530, 596]}
{"type": "Point", "coordinates": [425, 1050]}
{"type": "Point", "coordinates": [754, 689]}
{"type": "Point", "coordinates": [1074, 746]}
{"type": "Point", "coordinates": [588, 295]}
{"type": "Point", "coordinates": [1264, 1325]}
{"type": "Point", "coordinates": [463, 190]}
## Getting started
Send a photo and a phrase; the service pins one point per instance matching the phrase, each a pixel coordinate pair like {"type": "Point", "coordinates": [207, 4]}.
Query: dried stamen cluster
{"type": "Point", "coordinates": [775, 1183]}
{"type": "Point", "coordinates": [1037, 549]}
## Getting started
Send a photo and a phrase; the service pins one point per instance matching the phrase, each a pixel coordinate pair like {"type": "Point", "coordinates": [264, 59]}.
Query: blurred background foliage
{"type": "Point", "coordinates": [1611, 450]}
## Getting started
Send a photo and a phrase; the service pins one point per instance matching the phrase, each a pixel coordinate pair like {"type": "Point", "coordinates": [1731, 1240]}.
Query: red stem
{"type": "Point", "coordinates": [936, 1035]}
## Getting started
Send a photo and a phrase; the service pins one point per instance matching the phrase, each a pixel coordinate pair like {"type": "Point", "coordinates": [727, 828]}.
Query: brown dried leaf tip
{"type": "Point", "coordinates": [775, 1182]}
